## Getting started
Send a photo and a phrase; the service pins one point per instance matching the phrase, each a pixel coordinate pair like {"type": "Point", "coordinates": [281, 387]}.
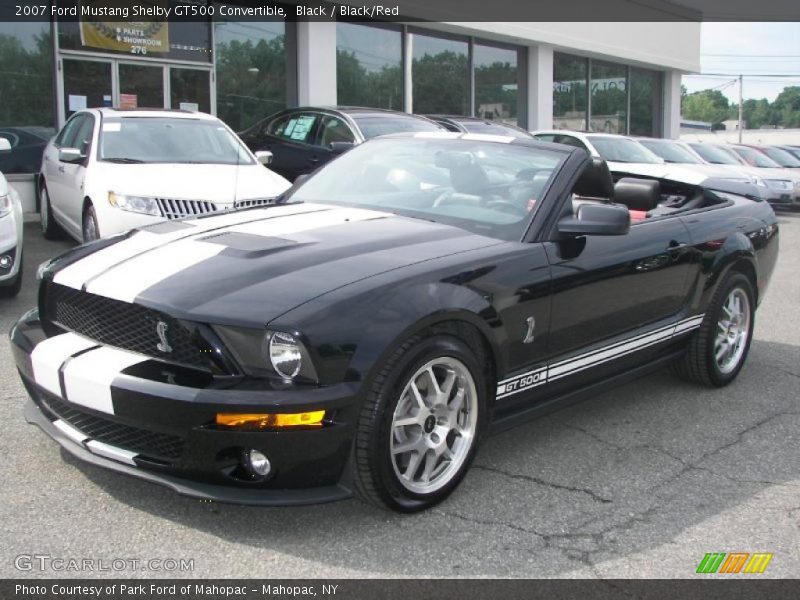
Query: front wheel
{"type": "Point", "coordinates": [50, 229]}
{"type": "Point", "coordinates": [421, 424]}
{"type": "Point", "coordinates": [718, 350]}
{"type": "Point", "coordinates": [91, 231]}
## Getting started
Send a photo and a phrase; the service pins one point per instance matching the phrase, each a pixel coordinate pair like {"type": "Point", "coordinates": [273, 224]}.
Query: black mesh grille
{"type": "Point", "coordinates": [122, 325]}
{"type": "Point", "coordinates": [148, 443]}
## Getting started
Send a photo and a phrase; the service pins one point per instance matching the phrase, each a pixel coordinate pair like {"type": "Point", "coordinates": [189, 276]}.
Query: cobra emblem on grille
{"type": "Point", "coordinates": [161, 331]}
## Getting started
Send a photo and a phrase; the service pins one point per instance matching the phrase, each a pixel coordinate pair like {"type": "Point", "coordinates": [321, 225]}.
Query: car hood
{"type": "Point", "coordinates": [685, 173]}
{"type": "Point", "coordinates": [249, 267]}
{"type": "Point", "coordinates": [220, 184]}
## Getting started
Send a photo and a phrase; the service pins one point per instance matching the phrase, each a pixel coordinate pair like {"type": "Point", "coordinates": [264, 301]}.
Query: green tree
{"type": "Point", "coordinates": [786, 108]}
{"type": "Point", "coordinates": [26, 96]}
{"type": "Point", "coordinates": [707, 105]}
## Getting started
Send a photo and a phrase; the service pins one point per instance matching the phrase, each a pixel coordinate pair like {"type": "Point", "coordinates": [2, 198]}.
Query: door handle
{"type": "Point", "coordinates": [676, 245]}
{"type": "Point", "coordinates": [313, 160]}
{"type": "Point", "coordinates": [61, 170]}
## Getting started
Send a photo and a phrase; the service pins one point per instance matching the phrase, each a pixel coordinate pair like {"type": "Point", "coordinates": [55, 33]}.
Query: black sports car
{"type": "Point", "coordinates": [305, 138]}
{"type": "Point", "coordinates": [363, 334]}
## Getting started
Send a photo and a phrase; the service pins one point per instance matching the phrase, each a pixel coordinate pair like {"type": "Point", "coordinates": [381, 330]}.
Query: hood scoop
{"type": "Point", "coordinates": [248, 245]}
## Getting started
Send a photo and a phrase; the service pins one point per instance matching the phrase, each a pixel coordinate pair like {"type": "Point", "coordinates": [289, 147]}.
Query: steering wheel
{"type": "Point", "coordinates": [507, 207]}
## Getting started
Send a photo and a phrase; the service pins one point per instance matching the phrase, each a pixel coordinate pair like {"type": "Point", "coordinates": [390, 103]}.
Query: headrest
{"type": "Point", "coordinates": [595, 181]}
{"type": "Point", "coordinates": [637, 194]}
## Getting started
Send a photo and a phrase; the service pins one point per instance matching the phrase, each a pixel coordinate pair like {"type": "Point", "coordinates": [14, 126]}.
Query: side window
{"type": "Point", "coordinates": [333, 129]}
{"type": "Point", "coordinates": [545, 137]}
{"type": "Point", "coordinates": [83, 136]}
{"type": "Point", "coordinates": [66, 138]}
{"type": "Point", "coordinates": [278, 126]}
{"type": "Point", "coordinates": [299, 128]}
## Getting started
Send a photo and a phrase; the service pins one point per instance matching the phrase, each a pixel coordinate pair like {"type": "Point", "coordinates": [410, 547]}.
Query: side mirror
{"type": "Point", "coordinates": [264, 157]}
{"type": "Point", "coordinates": [5, 145]}
{"type": "Point", "coordinates": [597, 219]}
{"type": "Point", "coordinates": [70, 155]}
{"type": "Point", "coordinates": [340, 147]}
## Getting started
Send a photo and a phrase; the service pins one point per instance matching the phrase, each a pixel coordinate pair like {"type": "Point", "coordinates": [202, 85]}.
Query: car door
{"type": "Point", "coordinates": [74, 174]}
{"type": "Point", "coordinates": [54, 170]}
{"type": "Point", "coordinates": [331, 129]}
{"type": "Point", "coordinates": [614, 298]}
{"type": "Point", "coordinates": [290, 138]}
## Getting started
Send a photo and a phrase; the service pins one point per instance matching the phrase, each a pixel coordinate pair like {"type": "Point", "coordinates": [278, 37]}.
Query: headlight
{"type": "Point", "coordinates": [135, 204]}
{"type": "Point", "coordinates": [5, 205]}
{"type": "Point", "coordinates": [268, 353]}
{"type": "Point", "coordinates": [756, 180]}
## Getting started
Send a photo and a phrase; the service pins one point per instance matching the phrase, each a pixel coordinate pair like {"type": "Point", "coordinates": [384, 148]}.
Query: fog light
{"type": "Point", "coordinates": [6, 261]}
{"type": "Point", "coordinates": [269, 421]}
{"type": "Point", "coordinates": [257, 463]}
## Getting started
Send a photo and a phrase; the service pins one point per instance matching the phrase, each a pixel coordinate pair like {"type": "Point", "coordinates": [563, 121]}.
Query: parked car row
{"type": "Point", "coordinates": [777, 183]}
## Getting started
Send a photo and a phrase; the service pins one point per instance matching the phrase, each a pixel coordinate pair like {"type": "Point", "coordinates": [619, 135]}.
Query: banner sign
{"type": "Point", "coordinates": [132, 37]}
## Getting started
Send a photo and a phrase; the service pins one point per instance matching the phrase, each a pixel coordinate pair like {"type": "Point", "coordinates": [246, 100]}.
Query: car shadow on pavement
{"type": "Point", "coordinates": [648, 472]}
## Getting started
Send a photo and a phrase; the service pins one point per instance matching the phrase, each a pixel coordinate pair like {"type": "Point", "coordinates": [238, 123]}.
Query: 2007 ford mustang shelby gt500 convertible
{"type": "Point", "coordinates": [366, 331]}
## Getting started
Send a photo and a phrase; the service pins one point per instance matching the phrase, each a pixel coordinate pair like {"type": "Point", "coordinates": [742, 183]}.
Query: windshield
{"type": "Point", "coordinates": [715, 155]}
{"type": "Point", "coordinates": [671, 152]}
{"type": "Point", "coordinates": [494, 129]}
{"type": "Point", "coordinates": [484, 187]}
{"type": "Point", "coordinates": [755, 158]}
{"type": "Point", "coordinates": [623, 150]}
{"type": "Point", "coordinates": [373, 125]}
{"type": "Point", "coordinates": [170, 140]}
{"type": "Point", "coordinates": [782, 157]}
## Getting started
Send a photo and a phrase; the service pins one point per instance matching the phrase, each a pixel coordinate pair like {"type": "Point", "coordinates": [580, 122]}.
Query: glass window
{"type": "Point", "coordinates": [369, 66]}
{"type": "Point", "coordinates": [372, 125]}
{"type": "Point", "coordinates": [782, 157]}
{"type": "Point", "coordinates": [755, 158]}
{"type": "Point", "coordinates": [645, 90]}
{"type": "Point", "coordinates": [141, 86]}
{"type": "Point", "coordinates": [170, 140]}
{"type": "Point", "coordinates": [251, 71]}
{"type": "Point", "coordinates": [298, 128]}
{"type": "Point", "coordinates": [27, 104]}
{"type": "Point", "coordinates": [83, 136]}
{"type": "Point", "coordinates": [69, 132]}
{"type": "Point", "coordinates": [87, 84]}
{"type": "Point", "coordinates": [714, 154]}
{"type": "Point", "coordinates": [496, 79]}
{"type": "Point", "coordinates": [489, 188]}
{"type": "Point", "coordinates": [624, 150]}
{"type": "Point", "coordinates": [440, 75]}
{"type": "Point", "coordinates": [189, 89]}
{"type": "Point", "coordinates": [670, 151]}
{"type": "Point", "coordinates": [333, 129]}
{"type": "Point", "coordinates": [609, 105]}
{"type": "Point", "coordinates": [569, 91]}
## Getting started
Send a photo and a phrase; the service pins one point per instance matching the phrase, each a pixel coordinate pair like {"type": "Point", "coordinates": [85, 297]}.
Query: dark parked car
{"type": "Point", "coordinates": [365, 333]}
{"type": "Point", "coordinates": [27, 146]}
{"type": "Point", "coordinates": [463, 124]}
{"type": "Point", "coordinates": [303, 139]}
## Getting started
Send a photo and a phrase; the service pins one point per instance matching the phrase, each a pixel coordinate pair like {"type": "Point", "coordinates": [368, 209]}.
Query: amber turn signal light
{"type": "Point", "coordinates": [270, 421]}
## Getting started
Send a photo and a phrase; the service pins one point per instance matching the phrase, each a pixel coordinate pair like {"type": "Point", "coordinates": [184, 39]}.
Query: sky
{"type": "Point", "coordinates": [748, 48]}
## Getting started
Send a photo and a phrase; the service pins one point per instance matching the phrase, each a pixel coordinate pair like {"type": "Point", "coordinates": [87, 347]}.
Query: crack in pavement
{"type": "Point", "coordinates": [591, 493]}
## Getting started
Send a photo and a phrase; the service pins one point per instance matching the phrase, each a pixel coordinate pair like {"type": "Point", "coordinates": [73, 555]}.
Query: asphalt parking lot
{"type": "Point", "coordinates": [638, 482]}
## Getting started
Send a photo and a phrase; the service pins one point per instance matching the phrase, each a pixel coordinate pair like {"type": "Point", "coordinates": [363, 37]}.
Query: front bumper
{"type": "Point", "coordinates": [158, 425]}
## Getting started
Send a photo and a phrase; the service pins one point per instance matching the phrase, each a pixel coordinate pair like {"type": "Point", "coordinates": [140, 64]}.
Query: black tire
{"type": "Point", "coordinates": [376, 480]}
{"type": "Point", "coordinates": [90, 228]}
{"type": "Point", "coordinates": [699, 364]}
{"type": "Point", "coordinates": [50, 229]}
{"type": "Point", "coordinates": [9, 289]}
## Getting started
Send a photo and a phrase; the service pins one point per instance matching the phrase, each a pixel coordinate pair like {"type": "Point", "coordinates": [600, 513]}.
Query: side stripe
{"type": "Point", "coordinates": [576, 364]}
{"type": "Point", "coordinates": [112, 452]}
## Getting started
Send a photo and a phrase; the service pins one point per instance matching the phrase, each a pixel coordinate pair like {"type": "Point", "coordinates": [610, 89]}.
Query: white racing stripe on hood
{"type": "Point", "coordinates": [79, 273]}
{"type": "Point", "coordinates": [129, 280]}
{"type": "Point", "coordinates": [88, 377]}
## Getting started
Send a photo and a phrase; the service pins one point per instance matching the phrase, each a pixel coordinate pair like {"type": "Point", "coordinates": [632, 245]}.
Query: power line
{"type": "Point", "coordinates": [756, 55]}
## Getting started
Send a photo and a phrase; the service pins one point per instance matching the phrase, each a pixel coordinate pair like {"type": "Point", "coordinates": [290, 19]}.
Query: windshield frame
{"type": "Point", "coordinates": [757, 156]}
{"type": "Point", "coordinates": [732, 160]}
{"type": "Point", "coordinates": [243, 149]}
{"type": "Point", "coordinates": [785, 155]}
{"type": "Point", "coordinates": [670, 146]}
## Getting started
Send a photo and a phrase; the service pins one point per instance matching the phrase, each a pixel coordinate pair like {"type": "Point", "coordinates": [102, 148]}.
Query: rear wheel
{"type": "Point", "coordinates": [718, 350]}
{"type": "Point", "coordinates": [50, 229]}
{"type": "Point", "coordinates": [421, 424]}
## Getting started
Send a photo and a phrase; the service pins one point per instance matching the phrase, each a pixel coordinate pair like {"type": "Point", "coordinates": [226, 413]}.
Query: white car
{"type": "Point", "coordinates": [626, 156]}
{"type": "Point", "coordinates": [111, 170]}
{"type": "Point", "coordinates": [10, 235]}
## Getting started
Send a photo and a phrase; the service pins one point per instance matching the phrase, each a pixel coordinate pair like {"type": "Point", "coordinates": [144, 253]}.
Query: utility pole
{"type": "Point", "coordinates": [741, 108]}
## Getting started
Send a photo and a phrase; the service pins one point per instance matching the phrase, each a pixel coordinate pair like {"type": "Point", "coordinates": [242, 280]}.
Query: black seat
{"type": "Point", "coordinates": [595, 181]}
{"type": "Point", "coordinates": [637, 194]}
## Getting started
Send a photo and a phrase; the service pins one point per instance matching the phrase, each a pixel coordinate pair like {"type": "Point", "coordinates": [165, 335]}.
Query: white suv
{"type": "Point", "coordinates": [111, 170]}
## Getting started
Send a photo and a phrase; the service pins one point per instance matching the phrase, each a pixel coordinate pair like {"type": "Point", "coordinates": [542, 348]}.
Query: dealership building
{"type": "Point", "coordinates": [616, 77]}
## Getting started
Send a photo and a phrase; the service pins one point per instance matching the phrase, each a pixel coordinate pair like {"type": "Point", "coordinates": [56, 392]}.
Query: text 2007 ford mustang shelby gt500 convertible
{"type": "Point", "coordinates": [366, 331]}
